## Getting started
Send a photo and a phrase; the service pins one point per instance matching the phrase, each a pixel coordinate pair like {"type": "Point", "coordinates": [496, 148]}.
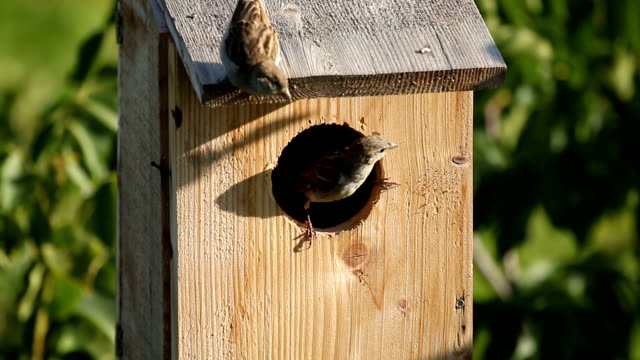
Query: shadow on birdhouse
{"type": "Point", "coordinates": [298, 156]}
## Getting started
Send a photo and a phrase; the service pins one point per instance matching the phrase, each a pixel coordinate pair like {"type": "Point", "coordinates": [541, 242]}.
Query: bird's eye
{"type": "Point", "coordinates": [382, 150]}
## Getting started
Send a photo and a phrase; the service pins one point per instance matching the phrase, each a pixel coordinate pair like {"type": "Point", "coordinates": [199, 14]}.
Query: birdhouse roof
{"type": "Point", "coordinates": [347, 48]}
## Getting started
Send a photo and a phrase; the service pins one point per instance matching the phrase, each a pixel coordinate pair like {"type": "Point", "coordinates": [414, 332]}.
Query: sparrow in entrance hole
{"type": "Point", "coordinates": [250, 51]}
{"type": "Point", "coordinates": [339, 175]}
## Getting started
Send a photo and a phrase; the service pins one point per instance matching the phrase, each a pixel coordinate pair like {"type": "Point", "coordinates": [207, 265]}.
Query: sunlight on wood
{"type": "Point", "coordinates": [399, 286]}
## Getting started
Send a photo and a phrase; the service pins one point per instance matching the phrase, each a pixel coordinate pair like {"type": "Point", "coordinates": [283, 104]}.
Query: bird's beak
{"type": "Point", "coordinates": [392, 145]}
{"type": "Point", "coordinates": [286, 93]}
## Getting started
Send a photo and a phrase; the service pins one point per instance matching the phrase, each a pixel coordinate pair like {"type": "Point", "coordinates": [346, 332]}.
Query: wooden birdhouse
{"type": "Point", "coordinates": [213, 260]}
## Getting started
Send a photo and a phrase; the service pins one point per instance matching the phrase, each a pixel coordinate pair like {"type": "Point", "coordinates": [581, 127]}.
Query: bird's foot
{"type": "Point", "coordinates": [309, 232]}
{"type": "Point", "coordinates": [385, 184]}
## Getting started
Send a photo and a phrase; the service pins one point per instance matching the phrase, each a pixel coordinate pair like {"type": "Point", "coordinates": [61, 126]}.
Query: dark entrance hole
{"type": "Point", "coordinates": [304, 149]}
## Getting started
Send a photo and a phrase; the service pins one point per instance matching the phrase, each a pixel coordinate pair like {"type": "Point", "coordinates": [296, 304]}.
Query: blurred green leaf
{"type": "Point", "coordinates": [103, 220]}
{"type": "Point", "coordinates": [100, 311]}
{"type": "Point", "coordinates": [56, 259]}
{"type": "Point", "coordinates": [105, 115]}
{"type": "Point", "coordinates": [87, 54]}
{"type": "Point", "coordinates": [96, 167]}
{"type": "Point", "coordinates": [79, 340]}
{"type": "Point", "coordinates": [624, 64]}
{"type": "Point", "coordinates": [28, 302]}
{"type": "Point", "coordinates": [78, 176]}
{"type": "Point", "coordinates": [42, 140]}
{"type": "Point", "coordinates": [67, 294]}
{"type": "Point", "coordinates": [10, 191]}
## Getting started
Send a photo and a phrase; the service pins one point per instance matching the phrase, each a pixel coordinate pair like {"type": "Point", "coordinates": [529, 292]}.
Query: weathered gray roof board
{"type": "Point", "coordinates": [347, 48]}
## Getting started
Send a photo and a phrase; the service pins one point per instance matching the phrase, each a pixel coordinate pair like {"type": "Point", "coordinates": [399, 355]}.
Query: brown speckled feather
{"type": "Point", "coordinates": [251, 27]}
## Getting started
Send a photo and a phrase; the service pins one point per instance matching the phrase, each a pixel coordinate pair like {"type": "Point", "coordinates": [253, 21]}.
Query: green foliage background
{"type": "Point", "coordinates": [557, 174]}
{"type": "Point", "coordinates": [58, 122]}
{"type": "Point", "coordinates": [556, 177]}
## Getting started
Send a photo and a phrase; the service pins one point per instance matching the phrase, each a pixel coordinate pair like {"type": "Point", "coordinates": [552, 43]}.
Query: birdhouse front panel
{"type": "Point", "coordinates": [393, 280]}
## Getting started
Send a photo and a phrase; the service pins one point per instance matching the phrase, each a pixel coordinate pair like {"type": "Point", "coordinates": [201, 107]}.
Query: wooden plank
{"type": "Point", "coordinates": [398, 286]}
{"type": "Point", "coordinates": [348, 48]}
{"type": "Point", "coordinates": [158, 16]}
{"type": "Point", "coordinates": [144, 294]}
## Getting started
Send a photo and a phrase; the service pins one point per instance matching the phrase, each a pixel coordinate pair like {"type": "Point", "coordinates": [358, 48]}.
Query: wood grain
{"type": "Point", "coordinates": [143, 260]}
{"type": "Point", "coordinates": [354, 48]}
{"type": "Point", "coordinates": [398, 286]}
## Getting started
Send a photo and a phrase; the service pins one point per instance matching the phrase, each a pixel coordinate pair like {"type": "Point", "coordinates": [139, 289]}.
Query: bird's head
{"type": "Point", "coordinates": [373, 147]}
{"type": "Point", "coordinates": [268, 79]}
